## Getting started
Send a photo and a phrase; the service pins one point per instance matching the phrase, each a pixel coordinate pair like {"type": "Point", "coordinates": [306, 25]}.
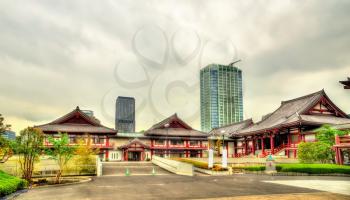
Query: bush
{"type": "Point", "coordinates": [10, 184]}
{"type": "Point", "coordinates": [315, 152]}
{"type": "Point", "coordinates": [251, 168]}
{"type": "Point", "coordinates": [314, 168]}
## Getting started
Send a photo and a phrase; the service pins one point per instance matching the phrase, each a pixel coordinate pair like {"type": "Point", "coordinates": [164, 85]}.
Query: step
{"type": "Point", "coordinates": [136, 163]}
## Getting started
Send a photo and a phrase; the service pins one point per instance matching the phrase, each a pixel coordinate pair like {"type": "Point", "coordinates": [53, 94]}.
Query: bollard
{"type": "Point", "coordinates": [153, 171]}
{"type": "Point", "coordinates": [127, 173]}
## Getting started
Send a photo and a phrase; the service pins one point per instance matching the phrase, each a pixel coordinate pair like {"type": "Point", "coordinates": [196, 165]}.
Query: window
{"type": "Point", "coordinates": [72, 140]}
{"type": "Point", "coordinates": [310, 138]}
{"type": "Point", "coordinates": [159, 142]}
{"type": "Point", "coordinates": [194, 143]}
{"type": "Point", "coordinates": [177, 142]}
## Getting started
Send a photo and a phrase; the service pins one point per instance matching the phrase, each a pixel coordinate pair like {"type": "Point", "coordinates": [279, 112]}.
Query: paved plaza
{"type": "Point", "coordinates": [197, 187]}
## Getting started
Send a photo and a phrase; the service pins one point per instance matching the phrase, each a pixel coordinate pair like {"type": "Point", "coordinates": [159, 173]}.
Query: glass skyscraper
{"type": "Point", "coordinates": [221, 96]}
{"type": "Point", "coordinates": [125, 114]}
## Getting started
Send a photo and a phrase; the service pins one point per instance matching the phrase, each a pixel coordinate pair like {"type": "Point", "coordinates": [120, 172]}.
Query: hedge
{"type": "Point", "coordinates": [251, 168]}
{"type": "Point", "coordinates": [10, 184]}
{"type": "Point", "coordinates": [314, 168]}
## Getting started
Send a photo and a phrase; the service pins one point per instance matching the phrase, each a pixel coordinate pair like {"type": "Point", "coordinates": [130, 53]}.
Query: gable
{"type": "Point", "coordinates": [173, 122]}
{"type": "Point", "coordinates": [178, 124]}
{"type": "Point", "coordinates": [326, 107]}
{"type": "Point", "coordinates": [76, 117]}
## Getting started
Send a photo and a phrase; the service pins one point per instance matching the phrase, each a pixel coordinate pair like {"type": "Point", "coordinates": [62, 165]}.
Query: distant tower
{"type": "Point", "coordinates": [221, 95]}
{"type": "Point", "coordinates": [125, 114]}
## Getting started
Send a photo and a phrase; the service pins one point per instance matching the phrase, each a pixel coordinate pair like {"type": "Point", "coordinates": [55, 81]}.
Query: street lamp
{"type": "Point", "coordinates": [223, 138]}
{"type": "Point", "coordinates": [167, 134]}
{"type": "Point", "coordinates": [224, 151]}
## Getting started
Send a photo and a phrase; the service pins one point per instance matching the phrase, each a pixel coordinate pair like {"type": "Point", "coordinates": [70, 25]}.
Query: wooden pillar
{"type": "Point", "coordinates": [107, 154]}
{"type": "Point", "coordinates": [187, 153]}
{"type": "Point", "coordinates": [337, 156]}
{"type": "Point", "coordinates": [107, 141]}
{"type": "Point", "coordinates": [263, 144]}
{"type": "Point", "coordinates": [295, 153]}
{"type": "Point", "coordinates": [253, 144]}
{"type": "Point", "coordinates": [245, 146]}
{"type": "Point", "coordinates": [235, 148]}
{"type": "Point", "coordinates": [227, 150]}
{"type": "Point", "coordinates": [288, 139]}
{"type": "Point", "coordinates": [272, 143]}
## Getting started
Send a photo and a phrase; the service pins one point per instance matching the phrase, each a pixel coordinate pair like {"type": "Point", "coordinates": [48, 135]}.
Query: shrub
{"type": "Point", "coordinates": [10, 184]}
{"type": "Point", "coordinates": [251, 168]}
{"type": "Point", "coordinates": [315, 152]}
{"type": "Point", "coordinates": [314, 168]}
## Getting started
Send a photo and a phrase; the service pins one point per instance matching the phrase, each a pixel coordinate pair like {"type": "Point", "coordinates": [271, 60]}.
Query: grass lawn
{"type": "Point", "coordinates": [10, 184]}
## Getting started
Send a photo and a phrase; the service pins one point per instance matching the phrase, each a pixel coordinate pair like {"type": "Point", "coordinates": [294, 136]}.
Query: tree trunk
{"type": "Point", "coordinates": [58, 177]}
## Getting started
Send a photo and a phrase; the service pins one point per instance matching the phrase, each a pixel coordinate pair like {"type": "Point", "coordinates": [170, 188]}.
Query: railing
{"type": "Point", "coordinates": [339, 140]}
{"type": "Point", "coordinates": [203, 147]}
{"type": "Point", "coordinates": [93, 145]}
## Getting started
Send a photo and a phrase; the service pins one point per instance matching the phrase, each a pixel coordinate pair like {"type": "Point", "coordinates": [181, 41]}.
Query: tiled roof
{"type": "Point", "coordinates": [134, 141]}
{"type": "Point", "coordinates": [342, 126]}
{"type": "Point", "coordinates": [89, 124]}
{"type": "Point", "coordinates": [181, 128]}
{"type": "Point", "coordinates": [177, 132]}
{"type": "Point", "coordinates": [231, 128]}
{"type": "Point", "coordinates": [75, 128]}
{"type": "Point", "coordinates": [292, 111]}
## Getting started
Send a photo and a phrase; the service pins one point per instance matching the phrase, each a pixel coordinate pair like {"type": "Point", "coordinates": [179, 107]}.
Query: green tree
{"type": "Point", "coordinates": [29, 148]}
{"type": "Point", "coordinates": [326, 134]}
{"type": "Point", "coordinates": [85, 154]}
{"type": "Point", "coordinates": [61, 152]}
{"type": "Point", "coordinates": [5, 145]}
{"type": "Point", "coordinates": [320, 151]}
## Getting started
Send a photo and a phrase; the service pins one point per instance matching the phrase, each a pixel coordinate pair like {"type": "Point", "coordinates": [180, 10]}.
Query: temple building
{"type": "Point", "coordinates": [78, 124]}
{"type": "Point", "coordinates": [280, 132]}
{"type": "Point", "coordinates": [220, 137]}
{"type": "Point", "coordinates": [172, 137]}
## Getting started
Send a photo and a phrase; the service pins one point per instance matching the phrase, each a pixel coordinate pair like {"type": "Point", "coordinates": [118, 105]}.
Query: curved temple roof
{"type": "Point", "coordinates": [296, 111]}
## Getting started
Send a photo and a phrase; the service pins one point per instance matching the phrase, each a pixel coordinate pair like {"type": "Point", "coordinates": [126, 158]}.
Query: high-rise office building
{"type": "Point", "coordinates": [221, 96]}
{"type": "Point", "coordinates": [125, 114]}
{"type": "Point", "coordinates": [8, 134]}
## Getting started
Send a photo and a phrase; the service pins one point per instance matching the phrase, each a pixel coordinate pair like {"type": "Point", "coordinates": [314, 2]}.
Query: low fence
{"type": "Point", "coordinates": [173, 166]}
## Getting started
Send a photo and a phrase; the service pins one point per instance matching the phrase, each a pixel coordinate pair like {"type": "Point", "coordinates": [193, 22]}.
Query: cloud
{"type": "Point", "coordinates": [56, 55]}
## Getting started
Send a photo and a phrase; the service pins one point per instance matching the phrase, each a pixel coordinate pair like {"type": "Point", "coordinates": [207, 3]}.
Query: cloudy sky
{"type": "Point", "coordinates": [55, 55]}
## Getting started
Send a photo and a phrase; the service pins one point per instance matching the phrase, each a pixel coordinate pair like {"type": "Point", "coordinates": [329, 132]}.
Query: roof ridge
{"type": "Point", "coordinates": [303, 97]}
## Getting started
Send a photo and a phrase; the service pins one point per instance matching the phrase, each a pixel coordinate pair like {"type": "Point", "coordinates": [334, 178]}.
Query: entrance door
{"type": "Point", "coordinates": [134, 156]}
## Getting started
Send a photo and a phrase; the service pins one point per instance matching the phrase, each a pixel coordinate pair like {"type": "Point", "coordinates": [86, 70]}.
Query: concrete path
{"type": "Point", "coordinates": [334, 186]}
{"type": "Point", "coordinates": [177, 187]}
{"type": "Point", "coordinates": [134, 168]}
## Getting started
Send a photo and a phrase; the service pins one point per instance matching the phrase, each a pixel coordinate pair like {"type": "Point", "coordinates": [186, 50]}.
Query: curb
{"type": "Point", "coordinates": [60, 185]}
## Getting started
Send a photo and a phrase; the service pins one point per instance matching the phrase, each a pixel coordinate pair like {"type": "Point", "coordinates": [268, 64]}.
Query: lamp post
{"type": "Point", "coordinates": [224, 151]}
{"type": "Point", "coordinates": [167, 141]}
{"type": "Point", "coordinates": [223, 139]}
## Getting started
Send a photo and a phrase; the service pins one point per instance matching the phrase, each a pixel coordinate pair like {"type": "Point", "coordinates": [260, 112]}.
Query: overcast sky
{"type": "Point", "coordinates": [56, 55]}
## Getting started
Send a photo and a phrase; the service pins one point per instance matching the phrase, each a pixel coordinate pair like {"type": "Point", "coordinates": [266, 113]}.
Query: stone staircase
{"type": "Point", "coordinates": [131, 169]}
